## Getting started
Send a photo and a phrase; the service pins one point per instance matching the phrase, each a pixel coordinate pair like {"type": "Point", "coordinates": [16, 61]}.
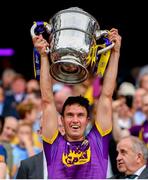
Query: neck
{"type": "Point", "coordinates": [74, 139]}
{"type": "Point", "coordinates": [135, 170]}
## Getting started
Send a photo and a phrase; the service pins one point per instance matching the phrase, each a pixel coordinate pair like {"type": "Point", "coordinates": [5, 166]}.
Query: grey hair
{"type": "Point", "coordinates": [143, 71]}
{"type": "Point", "coordinates": [8, 71]}
{"type": "Point", "coordinates": [139, 146]}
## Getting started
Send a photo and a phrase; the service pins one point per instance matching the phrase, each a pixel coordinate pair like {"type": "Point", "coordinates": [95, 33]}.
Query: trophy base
{"type": "Point", "coordinates": [68, 71]}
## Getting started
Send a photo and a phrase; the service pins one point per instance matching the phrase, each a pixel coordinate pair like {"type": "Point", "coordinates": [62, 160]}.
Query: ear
{"type": "Point", "coordinates": [139, 157]}
{"type": "Point", "coordinates": [61, 117]}
{"type": "Point", "coordinates": [62, 120]}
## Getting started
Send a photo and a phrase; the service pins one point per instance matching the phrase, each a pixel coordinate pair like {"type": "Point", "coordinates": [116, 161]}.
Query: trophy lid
{"type": "Point", "coordinates": [76, 10]}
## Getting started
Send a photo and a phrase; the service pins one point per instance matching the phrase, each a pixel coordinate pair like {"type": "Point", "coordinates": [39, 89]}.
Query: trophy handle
{"type": "Point", "coordinates": [38, 28]}
{"type": "Point", "coordinates": [99, 34]}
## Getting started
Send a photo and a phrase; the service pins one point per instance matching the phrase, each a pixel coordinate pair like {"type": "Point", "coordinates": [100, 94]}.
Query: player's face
{"type": "Point", "coordinates": [75, 121]}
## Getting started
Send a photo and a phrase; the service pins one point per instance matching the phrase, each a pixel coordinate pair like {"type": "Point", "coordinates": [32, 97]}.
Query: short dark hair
{"type": "Point", "coordinates": [82, 101]}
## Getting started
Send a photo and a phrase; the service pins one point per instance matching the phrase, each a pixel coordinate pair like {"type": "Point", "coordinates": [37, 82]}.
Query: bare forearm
{"type": "Point", "coordinates": [111, 75]}
{"type": "Point", "coordinates": [104, 112]}
{"type": "Point", "coordinates": [104, 106]}
{"type": "Point", "coordinates": [49, 123]}
{"type": "Point", "coordinates": [45, 79]}
{"type": "Point", "coordinates": [49, 110]}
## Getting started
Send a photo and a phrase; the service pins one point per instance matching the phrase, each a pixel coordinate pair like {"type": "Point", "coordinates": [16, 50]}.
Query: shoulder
{"type": "Point", "coordinates": [38, 157]}
{"type": "Point", "coordinates": [144, 174]}
{"type": "Point", "coordinates": [57, 138]}
{"type": "Point", "coordinates": [145, 170]}
{"type": "Point", "coordinates": [97, 131]}
{"type": "Point", "coordinates": [31, 168]}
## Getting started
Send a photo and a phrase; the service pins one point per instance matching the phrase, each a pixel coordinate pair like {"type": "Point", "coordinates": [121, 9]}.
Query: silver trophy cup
{"type": "Point", "coordinates": [72, 34]}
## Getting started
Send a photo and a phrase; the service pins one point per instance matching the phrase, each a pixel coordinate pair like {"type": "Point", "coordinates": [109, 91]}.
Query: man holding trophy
{"type": "Point", "coordinates": [75, 156]}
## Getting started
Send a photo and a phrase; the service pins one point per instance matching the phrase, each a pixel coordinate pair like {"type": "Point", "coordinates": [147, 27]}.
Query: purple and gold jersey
{"type": "Point", "coordinates": [86, 159]}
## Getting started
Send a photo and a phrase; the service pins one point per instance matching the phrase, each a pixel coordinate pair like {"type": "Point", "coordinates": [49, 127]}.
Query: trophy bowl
{"type": "Point", "coordinates": [72, 36]}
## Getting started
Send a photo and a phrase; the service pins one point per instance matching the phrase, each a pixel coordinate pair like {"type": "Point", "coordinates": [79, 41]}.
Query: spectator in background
{"type": "Point", "coordinates": [142, 130]}
{"type": "Point", "coordinates": [28, 113]}
{"type": "Point", "coordinates": [121, 122]}
{"type": "Point", "coordinates": [33, 167]}
{"type": "Point", "coordinates": [30, 168]}
{"type": "Point", "coordinates": [32, 85]}
{"type": "Point", "coordinates": [61, 93]}
{"type": "Point", "coordinates": [34, 97]}
{"type": "Point", "coordinates": [18, 90]}
{"type": "Point", "coordinates": [25, 147]}
{"type": "Point", "coordinates": [138, 115]}
{"type": "Point", "coordinates": [143, 78]}
{"type": "Point", "coordinates": [8, 76]}
{"type": "Point", "coordinates": [122, 107]}
{"type": "Point", "coordinates": [7, 136]}
{"type": "Point", "coordinates": [144, 82]}
{"type": "Point", "coordinates": [3, 163]}
{"type": "Point", "coordinates": [6, 108]}
{"type": "Point", "coordinates": [122, 118]}
{"type": "Point", "coordinates": [126, 89]}
{"type": "Point", "coordinates": [132, 159]}
{"type": "Point", "coordinates": [9, 130]}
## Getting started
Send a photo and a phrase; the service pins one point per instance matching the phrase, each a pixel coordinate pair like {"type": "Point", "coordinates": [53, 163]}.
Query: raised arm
{"type": "Point", "coordinates": [49, 123]}
{"type": "Point", "coordinates": [104, 106]}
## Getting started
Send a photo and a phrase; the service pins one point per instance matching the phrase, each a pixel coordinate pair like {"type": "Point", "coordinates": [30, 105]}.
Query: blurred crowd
{"type": "Point", "coordinates": [21, 115]}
